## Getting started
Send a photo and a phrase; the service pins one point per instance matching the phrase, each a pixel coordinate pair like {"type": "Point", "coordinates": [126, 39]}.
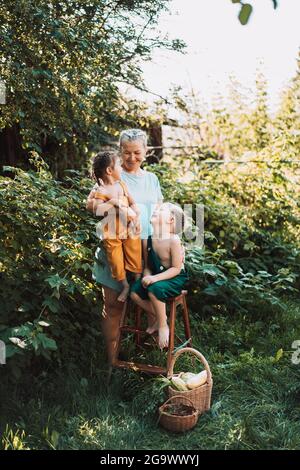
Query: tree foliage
{"type": "Point", "coordinates": [243, 173]}
{"type": "Point", "coordinates": [247, 9]}
{"type": "Point", "coordinates": [62, 63]}
{"type": "Point", "coordinates": [242, 168]}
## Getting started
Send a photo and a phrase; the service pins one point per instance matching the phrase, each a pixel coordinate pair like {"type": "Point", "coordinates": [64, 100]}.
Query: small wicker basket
{"type": "Point", "coordinates": [177, 423]}
{"type": "Point", "coordinates": [200, 396]}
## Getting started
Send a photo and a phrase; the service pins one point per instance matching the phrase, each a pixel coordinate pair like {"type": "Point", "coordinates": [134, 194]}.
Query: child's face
{"type": "Point", "coordinates": [116, 170]}
{"type": "Point", "coordinates": [161, 216]}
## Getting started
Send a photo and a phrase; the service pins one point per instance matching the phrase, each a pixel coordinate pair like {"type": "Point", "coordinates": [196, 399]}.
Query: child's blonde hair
{"type": "Point", "coordinates": [178, 214]}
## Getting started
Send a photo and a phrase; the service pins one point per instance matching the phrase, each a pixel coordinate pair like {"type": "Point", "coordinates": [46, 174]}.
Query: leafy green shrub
{"type": "Point", "coordinates": [49, 303]}
{"type": "Point", "coordinates": [251, 254]}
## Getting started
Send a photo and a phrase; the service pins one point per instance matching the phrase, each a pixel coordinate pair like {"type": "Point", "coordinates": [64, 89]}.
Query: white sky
{"type": "Point", "coordinates": [219, 46]}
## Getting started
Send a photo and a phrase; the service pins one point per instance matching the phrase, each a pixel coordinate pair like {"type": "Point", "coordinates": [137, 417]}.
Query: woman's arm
{"type": "Point", "coordinates": [98, 206]}
{"type": "Point", "coordinates": [90, 200]}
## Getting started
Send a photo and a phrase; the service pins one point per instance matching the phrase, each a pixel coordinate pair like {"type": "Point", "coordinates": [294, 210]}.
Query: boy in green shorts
{"type": "Point", "coordinates": [164, 274]}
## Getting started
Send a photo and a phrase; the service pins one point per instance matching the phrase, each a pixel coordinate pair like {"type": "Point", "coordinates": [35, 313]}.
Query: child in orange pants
{"type": "Point", "coordinates": [120, 229]}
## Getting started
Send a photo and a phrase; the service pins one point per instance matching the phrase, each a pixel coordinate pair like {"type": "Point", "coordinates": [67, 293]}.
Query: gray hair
{"type": "Point", "coordinates": [130, 135]}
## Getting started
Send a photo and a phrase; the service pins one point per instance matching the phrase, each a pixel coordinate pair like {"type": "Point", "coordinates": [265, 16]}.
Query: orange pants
{"type": "Point", "coordinates": [123, 255]}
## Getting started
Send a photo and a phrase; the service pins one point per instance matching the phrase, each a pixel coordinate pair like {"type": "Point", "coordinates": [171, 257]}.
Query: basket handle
{"type": "Point", "coordinates": [161, 409]}
{"type": "Point", "coordinates": [179, 396]}
{"type": "Point", "coordinates": [191, 351]}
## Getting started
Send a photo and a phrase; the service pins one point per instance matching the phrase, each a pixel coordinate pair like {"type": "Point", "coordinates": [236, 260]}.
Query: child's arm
{"type": "Point", "coordinates": [174, 270]}
{"type": "Point", "coordinates": [132, 203]}
{"type": "Point", "coordinates": [91, 202]}
{"type": "Point", "coordinates": [98, 206]}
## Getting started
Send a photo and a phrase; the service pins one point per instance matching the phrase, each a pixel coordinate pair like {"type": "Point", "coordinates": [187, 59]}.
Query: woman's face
{"type": "Point", "coordinates": [133, 154]}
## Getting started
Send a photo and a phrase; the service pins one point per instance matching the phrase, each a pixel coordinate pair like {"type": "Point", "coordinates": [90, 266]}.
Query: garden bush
{"type": "Point", "coordinates": [50, 305]}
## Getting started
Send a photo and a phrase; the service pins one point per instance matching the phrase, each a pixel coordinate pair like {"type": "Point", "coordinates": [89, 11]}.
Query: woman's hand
{"type": "Point", "coordinates": [134, 229]}
{"type": "Point", "coordinates": [114, 201]}
{"type": "Point", "coordinates": [148, 280]}
{"type": "Point", "coordinates": [137, 228]}
{"type": "Point", "coordinates": [90, 201]}
{"type": "Point", "coordinates": [131, 214]}
{"type": "Point", "coordinates": [127, 214]}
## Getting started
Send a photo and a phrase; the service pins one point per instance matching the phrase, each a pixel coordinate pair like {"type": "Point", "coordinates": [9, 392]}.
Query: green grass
{"type": "Point", "coordinates": [255, 402]}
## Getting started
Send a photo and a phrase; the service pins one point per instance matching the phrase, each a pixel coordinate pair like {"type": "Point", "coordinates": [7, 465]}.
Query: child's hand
{"type": "Point", "coordinates": [134, 229]}
{"type": "Point", "coordinates": [137, 227]}
{"type": "Point", "coordinates": [131, 214]}
{"type": "Point", "coordinates": [148, 280]}
{"type": "Point", "coordinates": [136, 210]}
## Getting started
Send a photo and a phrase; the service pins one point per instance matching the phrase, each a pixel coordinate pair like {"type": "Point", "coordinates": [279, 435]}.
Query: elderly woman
{"type": "Point", "coordinates": [145, 189]}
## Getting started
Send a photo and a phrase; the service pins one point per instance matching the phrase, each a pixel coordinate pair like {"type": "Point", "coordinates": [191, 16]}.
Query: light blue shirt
{"type": "Point", "coordinates": [145, 190]}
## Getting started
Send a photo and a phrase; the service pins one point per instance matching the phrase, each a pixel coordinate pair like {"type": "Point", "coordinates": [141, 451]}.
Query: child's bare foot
{"type": "Point", "coordinates": [152, 328]}
{"type": "Point", "coordinates": [124, 294]}
{"type": "Point", "coordinates": [163, 337]}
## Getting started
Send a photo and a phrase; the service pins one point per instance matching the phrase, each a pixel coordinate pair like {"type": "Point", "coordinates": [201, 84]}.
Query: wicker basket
{"type": "Point", "coordinates": [177, 423]}
{"type": "Point", "coordinates": [200, 396]}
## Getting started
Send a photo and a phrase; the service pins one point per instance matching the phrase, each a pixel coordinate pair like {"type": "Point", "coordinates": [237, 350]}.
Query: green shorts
{"type": "Point", "coordinates": [162, 290]}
